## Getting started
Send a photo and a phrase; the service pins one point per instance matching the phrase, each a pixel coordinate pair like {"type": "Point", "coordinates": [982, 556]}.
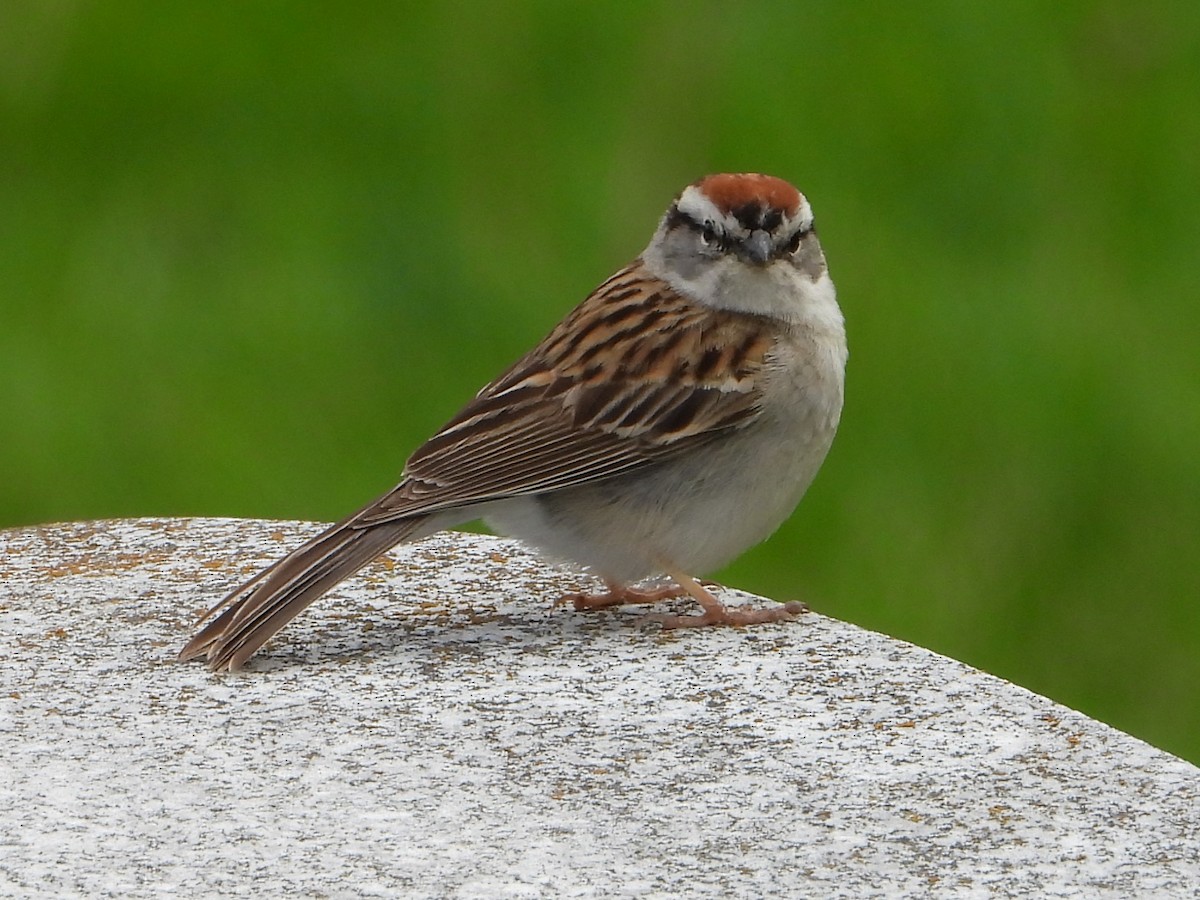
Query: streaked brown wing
{"type": "Point", "coordinates": [631, 377]}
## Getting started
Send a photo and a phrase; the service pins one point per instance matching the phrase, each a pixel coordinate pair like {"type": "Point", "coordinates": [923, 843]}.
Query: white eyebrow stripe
{"type": "Point", "coordinates": [696, 205]}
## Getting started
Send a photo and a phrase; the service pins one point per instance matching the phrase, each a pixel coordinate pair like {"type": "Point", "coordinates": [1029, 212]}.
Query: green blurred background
{"type": "Point", "coordinates": [252, 253]}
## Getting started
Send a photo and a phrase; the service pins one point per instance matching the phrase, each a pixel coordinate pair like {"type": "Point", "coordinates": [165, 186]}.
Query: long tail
{"type": "Point", "coordinates": [256, 610]}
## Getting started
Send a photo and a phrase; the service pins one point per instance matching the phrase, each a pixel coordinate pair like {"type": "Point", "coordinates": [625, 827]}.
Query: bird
{"type": "Point", "coordinates": [669, 422]}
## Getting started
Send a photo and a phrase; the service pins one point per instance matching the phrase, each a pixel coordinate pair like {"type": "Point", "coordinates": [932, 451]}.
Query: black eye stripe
{"type": "Point", "coordinates": [677, 217]}
{"type": "Point", "coordinates": [756, 216]}
{"type": "Point", "coordinates": [800, 234]}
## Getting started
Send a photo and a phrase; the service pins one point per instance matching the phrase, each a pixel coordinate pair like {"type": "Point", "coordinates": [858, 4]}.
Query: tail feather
{"type": "Point", "coordinates": [255, 611]}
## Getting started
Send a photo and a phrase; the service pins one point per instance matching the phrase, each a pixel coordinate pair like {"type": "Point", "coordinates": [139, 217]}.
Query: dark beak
{"type": "Point", "coordinates": [757, 247]}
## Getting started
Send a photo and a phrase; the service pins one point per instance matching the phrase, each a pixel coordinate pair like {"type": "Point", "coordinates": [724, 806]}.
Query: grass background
{"type": "Point", "coordinates": [252, 253]}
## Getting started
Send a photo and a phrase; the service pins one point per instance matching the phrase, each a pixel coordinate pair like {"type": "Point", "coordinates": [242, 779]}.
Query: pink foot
{"type": "Point", "coordinates": [618, 595]}
{"type": "Point", "coordinates": [737, 616]}
{"type": "Point", "coordinates": [716, 614]}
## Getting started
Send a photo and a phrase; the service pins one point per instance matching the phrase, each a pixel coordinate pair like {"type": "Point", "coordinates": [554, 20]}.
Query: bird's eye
{"type": "Point", "coordinates": [708, 235]}
{"type": "Point", "coordinates": [793, 245]}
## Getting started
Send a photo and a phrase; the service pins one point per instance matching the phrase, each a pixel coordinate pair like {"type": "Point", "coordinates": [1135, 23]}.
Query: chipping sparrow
{"type": "Point", "coordinates": [670, 421]}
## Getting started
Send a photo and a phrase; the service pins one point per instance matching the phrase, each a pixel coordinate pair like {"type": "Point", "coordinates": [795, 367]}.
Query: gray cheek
{"type": "Point", "coordinates": [684, 256]}
{"type": "Point", "coordinates": [810, 260]}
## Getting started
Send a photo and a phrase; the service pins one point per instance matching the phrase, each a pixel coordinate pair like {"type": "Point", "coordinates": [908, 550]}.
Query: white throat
{"type": "Point", "coordinates": [777, 290]}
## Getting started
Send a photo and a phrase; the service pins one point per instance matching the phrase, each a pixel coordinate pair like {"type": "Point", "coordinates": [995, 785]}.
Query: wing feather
{"type": "Point", "coordinates": [633, 376]}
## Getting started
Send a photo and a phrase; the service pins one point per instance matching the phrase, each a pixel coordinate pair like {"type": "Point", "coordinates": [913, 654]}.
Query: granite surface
{"type": "Point", "coordinates": [436, 728]}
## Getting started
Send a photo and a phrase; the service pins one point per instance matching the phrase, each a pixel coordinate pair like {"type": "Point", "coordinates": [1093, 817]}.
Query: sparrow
{"type": "Point", "coordinates": [672, 420]}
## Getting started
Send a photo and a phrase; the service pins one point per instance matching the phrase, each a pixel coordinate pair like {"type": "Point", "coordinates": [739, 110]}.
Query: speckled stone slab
{"type": "Point", "coordinates": [435, 728]}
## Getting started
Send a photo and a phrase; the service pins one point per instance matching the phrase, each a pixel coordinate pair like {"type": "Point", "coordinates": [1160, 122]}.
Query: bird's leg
{"type": "Point", "coordinates": [619, 594]}
{"type": "Point", "coordinates": [717, 614]}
